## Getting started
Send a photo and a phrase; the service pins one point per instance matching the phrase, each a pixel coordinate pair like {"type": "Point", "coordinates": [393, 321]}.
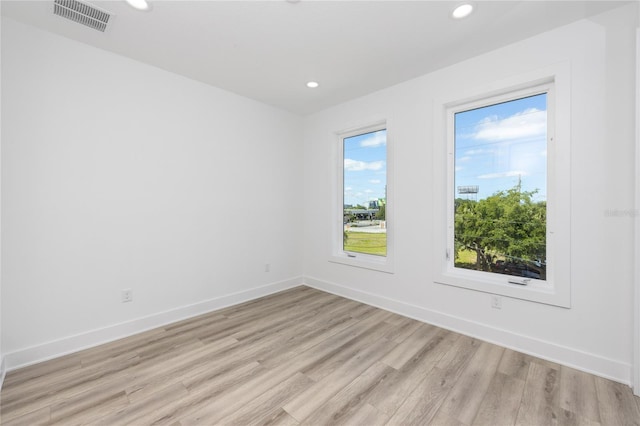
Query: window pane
{"type": "Point", "coordinates": [501, 188]}
{"type": "Point", "coordinates": [365, 193]}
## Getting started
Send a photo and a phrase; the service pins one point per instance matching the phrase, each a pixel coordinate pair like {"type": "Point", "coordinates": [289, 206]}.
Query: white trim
{"type": "Point", "coordinates": [555, 81]}
{"type": "Point", "coordinates": [71, 344]}
{"type": "Point", "coordinates": [3, 371]}
{"type": "Point", "coordinates": [574, 358]}
{"type": "Point", "coordinates": [636, 306]}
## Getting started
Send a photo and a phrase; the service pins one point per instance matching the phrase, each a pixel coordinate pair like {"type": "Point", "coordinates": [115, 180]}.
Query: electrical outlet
{"type": "Point", "coordinates": [267, 267]}
{"type": "Point", "coordinates": [127, 295]}
{"type": "Point", "coordinates": [496, 302]}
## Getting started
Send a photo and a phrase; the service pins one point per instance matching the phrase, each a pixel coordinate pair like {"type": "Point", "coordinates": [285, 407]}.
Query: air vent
{"type": "Point", "coordinates": [82, 13]}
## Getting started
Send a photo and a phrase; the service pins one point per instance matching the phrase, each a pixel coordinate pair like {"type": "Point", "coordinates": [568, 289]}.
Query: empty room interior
{"type": "Point", "coordinates": [320, 212]}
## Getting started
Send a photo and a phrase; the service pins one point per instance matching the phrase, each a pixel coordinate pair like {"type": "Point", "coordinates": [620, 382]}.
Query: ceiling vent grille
{"type": "Point", "coordinates": [82, 13]}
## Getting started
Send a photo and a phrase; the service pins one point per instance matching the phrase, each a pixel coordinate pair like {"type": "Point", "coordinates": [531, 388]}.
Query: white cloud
{"type": "Point", "coordinates": [375, 181]}
{"type": "Point", "coordinates": [526, 124]}
{"type": "Point", "coordinates": [510, 173]}
{"type": "Point", "coordinates": [358, 166]}
{"type": "Point", "coordinates": [463, 159]}
{"type": "Point", "coordinates": [368, 191]}
{"type": "Point", "coordinates": [474, 151]}
{"type": "Point", "coordinates": [458, 168]}
{"type": "Point", "coordinates": [348, 188]}
{"type": "Point", "coordinates": [374, 140]}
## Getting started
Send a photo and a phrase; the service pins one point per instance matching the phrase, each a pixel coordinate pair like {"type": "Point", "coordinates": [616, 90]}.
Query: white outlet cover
{"type": "Point", "coordinates": [496, 302]}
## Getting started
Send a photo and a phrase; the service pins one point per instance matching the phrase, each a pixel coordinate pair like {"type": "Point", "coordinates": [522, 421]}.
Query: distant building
{"type": "Point", "coordinates": [471, 191]}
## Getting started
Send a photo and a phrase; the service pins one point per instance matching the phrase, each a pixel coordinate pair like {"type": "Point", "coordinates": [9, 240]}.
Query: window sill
{"type": "Point", "coordinates": [534, 291]}
{"type": "Point", "coordinates": [375, 263]}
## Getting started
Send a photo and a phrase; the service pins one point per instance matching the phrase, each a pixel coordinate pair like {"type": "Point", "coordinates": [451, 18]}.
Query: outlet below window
{"type": "Point", "coordinates": [496, 302]}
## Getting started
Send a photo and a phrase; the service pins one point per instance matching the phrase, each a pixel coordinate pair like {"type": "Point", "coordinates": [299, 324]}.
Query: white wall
{"type": "Point", "coordinates": [119, 175]}
{"type": "Point", "coordinates": [595, 334]}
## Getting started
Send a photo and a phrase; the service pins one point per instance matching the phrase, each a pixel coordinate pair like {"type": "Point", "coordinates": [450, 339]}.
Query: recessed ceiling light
{"type": "Point", "coordinates": [313, 84]}
{"type": "Point", "coordinates": [140, 4]}
{"type": "Point", "coordinates": [462, 11]}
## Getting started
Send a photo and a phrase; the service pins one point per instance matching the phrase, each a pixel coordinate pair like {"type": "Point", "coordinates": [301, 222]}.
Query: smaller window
{"type": "Point", "coordinates": [361, 235]}
{"type": "Point", "coordinates": [364, 189]}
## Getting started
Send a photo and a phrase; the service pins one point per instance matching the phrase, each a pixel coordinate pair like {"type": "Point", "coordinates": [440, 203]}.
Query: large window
{"type": "Point", "coordinates": [362, 215]}
{"type": "Point", "coordinates": [500, 191]}
{"type": "Point", "coordinates": [502, 199]}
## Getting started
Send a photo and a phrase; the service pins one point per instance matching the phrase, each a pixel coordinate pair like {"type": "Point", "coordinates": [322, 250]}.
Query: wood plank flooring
{"type": "Point", "coordinates": [307, 357]}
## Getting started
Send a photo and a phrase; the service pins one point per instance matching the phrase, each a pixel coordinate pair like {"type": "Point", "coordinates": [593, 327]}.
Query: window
{"type": "Point", "coordinates": [362, 236]}
{"type": "Point", "coordinates": [500, 191]}
{"type": "Point", "coordinates": [503, 182]}
{"type": "Point", "coordinates": [364, 189]}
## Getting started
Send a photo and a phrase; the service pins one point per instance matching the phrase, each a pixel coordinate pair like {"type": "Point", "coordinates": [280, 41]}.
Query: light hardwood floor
{"type": "Point", "coordinates": [308, 357]}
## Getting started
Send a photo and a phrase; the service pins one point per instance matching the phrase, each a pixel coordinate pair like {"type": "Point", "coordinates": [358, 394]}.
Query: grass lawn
{"type": "Point", "coordinates": [467, 256]}
{"type": "Point", "coordinates": [364, 242]}
{"type": "Point", "coordinates": [466, 259]}
{"type": "Point", "coordinates": [469, 259]}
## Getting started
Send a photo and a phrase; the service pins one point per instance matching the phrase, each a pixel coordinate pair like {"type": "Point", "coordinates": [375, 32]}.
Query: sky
{"type": "Point", "coordinates": [365, 167]}
{"type": "Point", "coordinates": [499, 144]}
{"type": "Point", "coordinates": [494, 147]}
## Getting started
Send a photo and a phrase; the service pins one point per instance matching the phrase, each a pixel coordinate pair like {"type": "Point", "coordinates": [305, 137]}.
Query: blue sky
{"type": "Point", "coordinates": [365, 167]}
{"type": "Point", "coordinates": [496, 145]}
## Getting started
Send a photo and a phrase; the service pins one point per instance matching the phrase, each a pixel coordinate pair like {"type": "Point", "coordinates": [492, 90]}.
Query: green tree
{"type": "Point", "coordinates": [508, 223]}
{"type": "Point", "coordinates": [382, 212]}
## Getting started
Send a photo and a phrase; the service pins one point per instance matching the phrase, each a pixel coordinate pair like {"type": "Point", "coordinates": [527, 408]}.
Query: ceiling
{"type": "Point", "coordinates": [268, 50]}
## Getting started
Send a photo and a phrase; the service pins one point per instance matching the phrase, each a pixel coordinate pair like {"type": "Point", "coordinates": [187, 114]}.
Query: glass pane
{"type": "Point", "coordinates": [501, 188]}
{"type": "Point", "coordinates": [365, 193]}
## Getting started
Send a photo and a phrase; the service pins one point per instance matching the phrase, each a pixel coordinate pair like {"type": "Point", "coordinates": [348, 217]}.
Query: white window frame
{"type": "Point", "coordinates": [556, 289]}
{"type": "Point", "coordinates": [337, 252]}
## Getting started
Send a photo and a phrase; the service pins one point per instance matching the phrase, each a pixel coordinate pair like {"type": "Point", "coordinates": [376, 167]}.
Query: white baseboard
{"type": "Point", "coordinates": [574, 358]}
{"type": "Point", "coordinates": [71, 344]}
{"type": "Point", "coordinates": [3, 371]}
